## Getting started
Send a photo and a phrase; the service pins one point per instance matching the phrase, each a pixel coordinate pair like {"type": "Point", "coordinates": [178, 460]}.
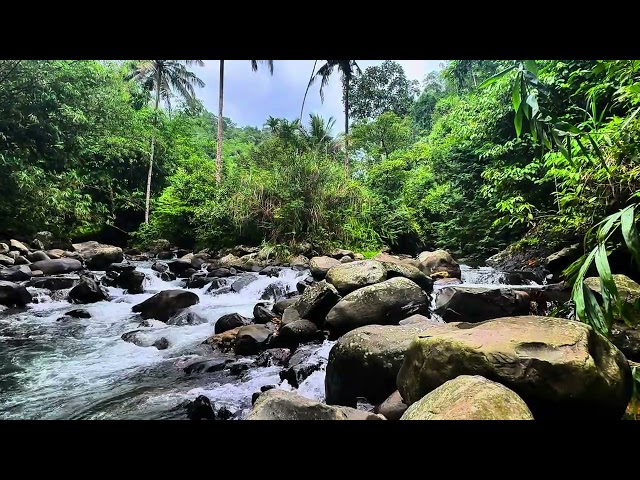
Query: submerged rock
{"type": "Point", "coordinates": [186, 318]}
{"type": "Point", "coordinates": [207, 365]}
{"type": "Point", "coordinates": [469, 397]}
{"type": "Point", "coordinates": [200, 409]}
{"type": "Point", "coordinates": [273, 357]}
{"type": "Point", "coordinates": [78, 313]}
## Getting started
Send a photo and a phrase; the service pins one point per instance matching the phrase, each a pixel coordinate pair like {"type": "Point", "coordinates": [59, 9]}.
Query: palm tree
{"type": "Point", "coordinates": [254, 67]}
{"type": "Point", "coordinates": [164, 77]}
{"type": "Point", "coordinates": [318, 134]}
{"type": "Point", "coordinates": [347, 68]}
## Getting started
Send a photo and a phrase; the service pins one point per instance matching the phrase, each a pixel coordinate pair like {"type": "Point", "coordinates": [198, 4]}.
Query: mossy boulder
{"type": "Point", "coordinates": [439, 262]}
{"type": "Point", "coordinates": [469, 397]}
{"type": "Point", "coordinates": [348, 277]}
{"type": "Point", "coordinates": [319, 266]}
{"type": "Point", "coordinates": [561, 368]}
{"type": "Point", "coordinates": [477, 304]}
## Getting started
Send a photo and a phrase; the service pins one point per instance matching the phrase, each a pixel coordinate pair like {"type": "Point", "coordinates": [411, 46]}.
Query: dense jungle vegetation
{"type": "Point", "coordinates": [479, 155]}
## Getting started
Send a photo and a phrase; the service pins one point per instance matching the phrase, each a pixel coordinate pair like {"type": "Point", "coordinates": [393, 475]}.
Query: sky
{"type": "Point", "coordinates": [251, 97]}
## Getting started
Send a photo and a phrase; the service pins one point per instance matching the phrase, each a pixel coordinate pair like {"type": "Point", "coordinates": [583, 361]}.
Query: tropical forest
{"type": "Point", "coordinates": [459, 246]}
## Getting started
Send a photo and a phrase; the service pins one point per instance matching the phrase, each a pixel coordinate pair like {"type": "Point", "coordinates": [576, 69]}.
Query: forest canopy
{"type": "Point", "coordinates": [460, 161]}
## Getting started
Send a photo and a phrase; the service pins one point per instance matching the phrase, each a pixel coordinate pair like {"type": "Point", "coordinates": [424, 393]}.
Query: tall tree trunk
{"type": "Point", "coordinates": [346, 126]}
{"type": "Point", "coordinates": [307, 91]}
{"type": "Point", "coordinates": [153, 146]}
{"type": "Point", "coordinates": [219, 151]}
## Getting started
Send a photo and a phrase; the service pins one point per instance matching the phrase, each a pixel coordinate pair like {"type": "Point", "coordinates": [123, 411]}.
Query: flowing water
{"type": "Point", "coordinates": [82, 369]}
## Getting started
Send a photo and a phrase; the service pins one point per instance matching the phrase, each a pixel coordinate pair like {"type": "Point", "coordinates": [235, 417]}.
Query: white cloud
{"type": "Point", "coordinates": [250, 97]}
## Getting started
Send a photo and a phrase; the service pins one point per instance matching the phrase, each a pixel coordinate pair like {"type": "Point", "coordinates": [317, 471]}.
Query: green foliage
{"type": "Point", "coordinates": [381, 89]}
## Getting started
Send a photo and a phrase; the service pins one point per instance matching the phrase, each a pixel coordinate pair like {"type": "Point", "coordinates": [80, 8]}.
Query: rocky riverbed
{"type": "Point", "coordinates": [89, 332]}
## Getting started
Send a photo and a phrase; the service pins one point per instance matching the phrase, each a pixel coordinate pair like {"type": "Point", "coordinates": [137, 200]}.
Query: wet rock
{"type": "Point", "coordinates": [197, 262]}
{"type": "Point", "coordinates": [133, 337]}
{"type": "Point", "coordinates": [18, 246]}
{"type": "Point", "coordinates": [627, 339]}
{"type": "Point", "coordinates": [243, 282]}
{"type": "Point", "coordinates": [4, 248]}
{"type": "Point", "coordinates": [224, 413]}
{"type": "Point", "coordinates": [207, 365]}
{"type": "Point", "coordinates": [57, 266]}
{"type": "Point", "coordinates": [357, 274]}
{"type": "Point", "coordinates": [12, 294]}
{"type": "Point", "coordinates": [121, 267]}
{"type": "Point", "coordinates": [384, 303]}
{"type": "Point", "coordinates": [200, 409]}
{"type": "Point", "coordinates": [365, 362]}
{"type": "Point", "coordinates": [320, 266]}
{"type": "Point", "coordinates": [417, 319]}
{"type": "Point", "coordinates": [230, 321]}
{"type": "Point", "coordinates": [282, 304]}
{"type": "Point", "coordinates": [161, 344]}
{"type": "Point", "coordinates": [262, 313]}
{"type": "Point", "coordinates": [477, 304]}
{"type": "Point", "coordinates": [179, 267]}
{"type": "Point", "coordinates": [469, 397]}
{"type": "Point", "coordinates": [223, 341]}
{"type": "Point", "coordinates": [317, 301]}
{"type": "Point", "coordinates": [54, 283]}
{"type": "Point", "coordinates": [439, 261]}
{"type": "Point", "coordinates": [251, 339]}
{"type": "Point", "coordinates": [37, 256]}
{"type": "Point", "coordinates": [393, 407]}
{"type": "Point", "coordinates": [109, 280]}
{"type": "Point", "coordinates": [304, 283]}
{"type": "Point", "coordinates": [238, 368]}
{"type": "Point", "coordinates": [186, 318]}
{"type": "Point", "coordinates": [78, 313]}
{"type": "Point", "coordinates": [274, 291]}
{"type": "Point", "coordinates": [301, 364]}
{"type": "Point", "coordinates": [88, 291]}
{"type": "Point", "coordinates": [160, 266]}
{"type": "Point", "coordinates": [558, 261]}
{"type": "Point", "coordinates": [290, 315]}
{"type": "Point", "coordinates": [164, 255]}
{"type": "Point", "coordinates": [270, 271]}
{"type": "Point", "coordinates": [98, 256]}
{"type": "Point", "coordinates": [217, 284]}
{"type": "Point", "coordinates": [131, 281]}
{"type": "Point", "coordinates": [441, 282]}
{"type": "Point", "coordinates": [164, 305]}
{"type": "Point", "coordinates": [6, 260]}
{"type": "Point", "coordinates": [299, 262]}
{"type": "Point", "coordinates": [561, 368]}
{"type": "Point", "coordinates": [273, 357]}
{"type": "Point", "coordinates": [198, 280]}
{"type": "Point", "coordinates": [412, 273]}
{"type": "Point", "coordinates": [167, 276]}
{"type": "Point", "coordinates": [17, 273]}
{"type": "Point", "coordinates": [219, 272]}
{"type": "Point", "coordinates": [278, 404]}
{"type": "Point", "coordinates": [300, 331]}
{"type": "Point", "coordinates": [188, 273]}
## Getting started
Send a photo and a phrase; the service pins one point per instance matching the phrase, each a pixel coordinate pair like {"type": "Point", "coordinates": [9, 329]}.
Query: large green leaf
{"type": "Point", "coordinates": [630, 232]}
{"type": "Point", "coordinates": [607, 225]}
{"type": "Point", "coordinates": [608, 289]}
{"type": "Point", "coordinates": [532, 66]}
{"type": "Point", "coordinates": [496, 77]}
{"type": "Point", "coordinates": [518, 122]}
{"type": "Point", "coordinates": [516, 98]}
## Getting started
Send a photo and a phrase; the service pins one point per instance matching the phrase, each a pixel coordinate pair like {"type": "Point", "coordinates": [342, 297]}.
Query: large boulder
{"type": "Point", "coordinates": [17, 273]}
{"type": "Point", "coordinates": [365, 362]}
{"type": "Point", "coordinates": [230, 321]}
{"type": "Point", "coordinates": [300, 366]}
{"type": "Point", "coordinates": [316, 302]}
{"type": "Point", "coordinates": [561, 368]}
{"type": "Point", "coordinates": [339, 253]}
{"type": "Point", "coordinates": [319, 266]}
{"type": "Point", "coordinates": [627, 339]}
{"type": "Point", "coordinates": [223, 341]}
{"type": "Point", "coordinates": [251, 339]}
{"type": "Point", "coordinates": [628, 289]}
{"type": "Point", "coordinates": [179, 267]}
{"type": "Point", "coordinates": [299, 262]}
{"type": "Point", "coordinates": [278, 404]}
{"type": "Point", "coordinates": [477, 304]}
{"type": "Point", "coordinates": [88, 291]}
{"type": "Point", "coordinates": [18, 247]}
{"type": "Point", "coordinates": [348, 277]}
{"type": "Point", "coordinates": [57, 266]}
{"type": "Point", "coordinates": [262, 313]}
{"type": "Point", "coordinates": [300, 331]}
{"type": "Point", "coordinates": [132, 281]}
{"type": "Point", "coordinates": [384, 303]}
{"type": "Point", "coordinates": [282, 304]}
{"type": "Point", "coordinates": [97, 255]}
{"type": "Point", "coordinates": [469, 397]}
{"type": "Point", "coordinates": [558, 261]}
{"type": "Point", "coordinates": [164, 305]}
{"type": "Point", "coordinates": [409, 271]}
{"type": "Point", "coordinates": [13, 294]}
{"type": "Point", "coordinates": [439, 263]}
{"type": "Point", "coordinates": [54, 283]}
{"type": "Point", "coordinates": [289, 315]}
